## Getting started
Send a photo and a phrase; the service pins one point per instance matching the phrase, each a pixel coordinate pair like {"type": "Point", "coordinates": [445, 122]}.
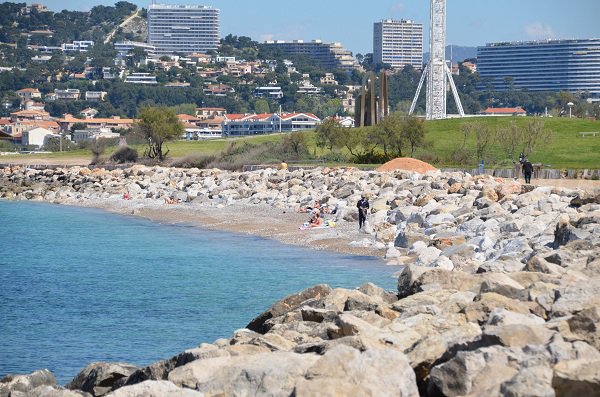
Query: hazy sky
{"type": "Point", "coordinates": [469, 23]}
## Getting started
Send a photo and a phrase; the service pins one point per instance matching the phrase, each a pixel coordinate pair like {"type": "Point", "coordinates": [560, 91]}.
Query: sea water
{"type": "Point", "coordinates": [79, 285]}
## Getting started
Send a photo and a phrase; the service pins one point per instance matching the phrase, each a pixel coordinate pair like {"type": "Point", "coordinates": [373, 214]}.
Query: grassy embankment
{"type": "Point", "coordinates": [566, 149]}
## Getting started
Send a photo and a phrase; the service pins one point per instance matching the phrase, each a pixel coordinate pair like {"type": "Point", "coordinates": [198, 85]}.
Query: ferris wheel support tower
{"type": "Point", "coordinates": [437, 71]}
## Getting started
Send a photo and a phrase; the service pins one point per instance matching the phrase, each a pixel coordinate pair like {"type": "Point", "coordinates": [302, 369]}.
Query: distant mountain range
{"type": "Point", "coordinates": [457, 53]}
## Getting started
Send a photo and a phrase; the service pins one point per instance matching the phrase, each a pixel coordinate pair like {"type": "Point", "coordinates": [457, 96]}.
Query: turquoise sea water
{"type": "Point", "coordinates": [81, 285]}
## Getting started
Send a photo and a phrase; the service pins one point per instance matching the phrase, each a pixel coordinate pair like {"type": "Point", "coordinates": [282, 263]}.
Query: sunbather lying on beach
{"type": "Point", "coordinates": [315, 219]}
{"type": "Point", "coordinates": [316, 206]}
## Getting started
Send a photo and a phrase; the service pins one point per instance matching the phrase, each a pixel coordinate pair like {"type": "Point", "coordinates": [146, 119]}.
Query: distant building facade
{"type": "Point", "coordinates": [328, 55]}
{"type": "Point", "coordinates": [398, 43]}
{"type": "Point", "coordinates": [185, 29]}
{"type": "Point", "coordinates": [77, 46]}
{"type": "Point", "coordinates": [549, 65]}
{"type": "Point", "coordinates": [268, 123]}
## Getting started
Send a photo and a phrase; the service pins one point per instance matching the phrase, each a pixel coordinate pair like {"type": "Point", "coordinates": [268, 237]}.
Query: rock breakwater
{"type": "Point", "coordinates": [499, 294]}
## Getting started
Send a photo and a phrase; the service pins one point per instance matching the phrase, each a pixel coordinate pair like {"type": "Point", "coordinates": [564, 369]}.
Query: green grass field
{"type": "Point", "coordinates": [566, 149]}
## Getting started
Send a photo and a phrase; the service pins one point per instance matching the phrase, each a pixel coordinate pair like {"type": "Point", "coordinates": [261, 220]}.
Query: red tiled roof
{"type": "Point", "coordinates": [29, 90]}
{"type": "Point", "coordinates": [504, 110]}
{"type": "Point", "coordinates": [186, 117]}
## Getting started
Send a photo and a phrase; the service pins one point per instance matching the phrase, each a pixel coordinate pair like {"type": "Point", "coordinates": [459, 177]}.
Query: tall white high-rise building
{"type": "Point", "coordinates": [183, 28]}
{"type": "Point", "coordinates": [398, 43]}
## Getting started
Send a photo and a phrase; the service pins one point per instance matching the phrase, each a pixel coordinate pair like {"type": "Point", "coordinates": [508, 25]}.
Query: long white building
{"type": "Point", "coordinates": [398, 43]}
{"type": "Point", "coordinates": [183, 29]}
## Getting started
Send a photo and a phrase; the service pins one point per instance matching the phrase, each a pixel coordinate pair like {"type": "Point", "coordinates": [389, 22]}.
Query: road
{"type": "Point", "coordinates": [122, 24]}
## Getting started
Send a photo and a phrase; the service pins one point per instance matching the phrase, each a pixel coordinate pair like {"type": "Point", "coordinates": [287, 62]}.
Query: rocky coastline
{"type": "Point", "coordinates": [499, 293]}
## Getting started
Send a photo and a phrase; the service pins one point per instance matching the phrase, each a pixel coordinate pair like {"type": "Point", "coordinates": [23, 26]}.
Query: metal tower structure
{"type": "Point", "coordinates": [437, 71]}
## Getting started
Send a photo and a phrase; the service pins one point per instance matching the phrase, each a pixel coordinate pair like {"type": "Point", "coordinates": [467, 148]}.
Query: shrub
{"type": "Point", "coordinates": [194, 160]}
{"type": "Point", "coordinates": [429, 157]}
{"type": "Point", "coordinates": [124, 154]}
{"type": "Point", "coordinates": [462, 157]}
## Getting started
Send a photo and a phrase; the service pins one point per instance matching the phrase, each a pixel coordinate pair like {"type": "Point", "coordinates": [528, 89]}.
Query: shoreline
{"type": "Point", "coordinates": [283, 224]}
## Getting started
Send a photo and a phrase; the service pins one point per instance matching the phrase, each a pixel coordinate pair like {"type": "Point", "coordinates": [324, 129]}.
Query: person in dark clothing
{"type": "Point", "coordinates": [527, 170]}
{"type": "Point", "coordinates": [363, 207]}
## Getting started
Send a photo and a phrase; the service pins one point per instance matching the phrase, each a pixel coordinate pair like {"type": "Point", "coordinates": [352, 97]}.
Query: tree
{"type": "Point", "coordinates": [413, 131]}
{"type": "Point", "coordinates": [159, 125]}
{"type": "Point", "coordinates": [261, 106]}
{"type": "Point", "coordinates": [388, 134]}
{"type": "Point", "coordinates": [483, 137]}
{"type": "Point", "coordinates": [295, 143]}
{"type": "Point", "coordinates": [328, 134]}
{"type": "Point", "coordinates": [535, 135]}
{"type": "Point", "coordinates": [509, 138]}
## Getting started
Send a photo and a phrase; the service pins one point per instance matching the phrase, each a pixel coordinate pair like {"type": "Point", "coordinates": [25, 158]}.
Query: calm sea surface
{"type": "Point", "coordinates": [79, 285]}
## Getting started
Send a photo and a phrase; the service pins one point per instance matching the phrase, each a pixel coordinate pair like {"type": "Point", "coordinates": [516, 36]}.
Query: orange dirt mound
{"type": "Point", "coordinates": [407, 164]}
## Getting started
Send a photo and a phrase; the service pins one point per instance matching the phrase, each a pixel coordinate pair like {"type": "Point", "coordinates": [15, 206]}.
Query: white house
{"type": "Point", "coordinates": [268, 92]}
{"type": "Point", "coordinates": [90, 134]}
{"type": "Point", "coordinates": [37, 136]}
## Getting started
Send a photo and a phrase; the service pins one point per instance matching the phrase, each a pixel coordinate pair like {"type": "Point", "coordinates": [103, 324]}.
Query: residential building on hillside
{"type": "Point", "coordinates": [548, 65]}
{"type": "Point", "coordinates": [32, 105]}
{"type": "Point", "coordinates": [77, 46]}
{"type": "Point", "coordinates": [88, 113]}
{"type": "Point", "coordinates": [113, 122]}
{"type": "Point", "coordinates": [329, 55]}
{"type": "Point", "coordinates": [124, 47]}
{"type": "Point", "coordinates": [70, 94]}
{"type": "Point", "coordinates": [328, 79]}
{"type": "Point", "coordinates": [184, 29]}
{"type": "Point", "coordinates": [29, 115]}
{"type": "Point", "coordinates": [268, 123]}
{"type": "Point", "coordinates": [398, 43]}
{"type": "Point", "coordinates": [95, 96]}
{"type": "Point", "coordinates": [141, 78]}
{"type": "Point", "coordinates": [217, 89]}
{"type": "Point", "coordinates": [207, 113]}
{"type": "Point", "coordinates": [268, 92]}
{"type": "Point", "coordinates": [27, 94]}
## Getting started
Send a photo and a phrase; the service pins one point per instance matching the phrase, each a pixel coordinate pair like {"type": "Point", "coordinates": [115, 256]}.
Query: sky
{"type": "Point", "coordinates": [469, 22]}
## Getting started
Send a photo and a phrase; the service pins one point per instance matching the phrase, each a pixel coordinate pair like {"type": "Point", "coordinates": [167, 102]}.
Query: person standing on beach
{"type": "Point", "coordinates": [363, 207]}
{"type": "Point", "coordinates": [527, 170]}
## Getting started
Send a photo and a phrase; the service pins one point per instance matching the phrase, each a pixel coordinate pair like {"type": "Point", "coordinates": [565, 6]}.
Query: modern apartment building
{"type": "Point", "coordinates": [398, 43]}
{"type": "Point", "coordinates": [549, 65]}
{"type": "Point", "coordinates": [328, 55]}
{"type": "Point", "coordinates": [183, 28]}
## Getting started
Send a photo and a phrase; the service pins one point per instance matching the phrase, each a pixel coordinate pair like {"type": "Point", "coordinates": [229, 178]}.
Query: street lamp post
{"type": "Point", "coordinates": [570, 105]}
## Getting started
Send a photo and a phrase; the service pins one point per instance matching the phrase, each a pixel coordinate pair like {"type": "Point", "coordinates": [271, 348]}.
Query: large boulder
{"type": "Point", "coordinates": [99, 378]}
{"type": "Point", "coordinates": [577, 378]}
{"type": "Point", "coordinates": [25, 383]}
{"type": "Point", "coordinates": [292, 302]}
{"type": "Point", "coordinates": [265, 374]}
{"type": "Point", "coordinates": [153, 388]}
{"type": "Point", "coordinates": [344, 371]}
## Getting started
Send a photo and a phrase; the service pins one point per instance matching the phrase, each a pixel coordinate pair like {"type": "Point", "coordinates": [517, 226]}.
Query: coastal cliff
{"type": "Point", "coordinates": [499, 294]}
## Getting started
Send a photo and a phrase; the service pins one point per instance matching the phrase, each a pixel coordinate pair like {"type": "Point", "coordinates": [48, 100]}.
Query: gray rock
{"type": "Point", "coordinates": [344, 371]}
{"type": "Point", "coordinates": [577, 378]}
{"type": "Point", "coordinates": [25, 383]}
{"type": "Point", "coordinates": [292, 302]}
{"type": "Point", "coordinates": [98, 378]}
{"type": "Point", "coordinates": [265, 374]}
{"type": "Point", "coordinates": [152, 388]}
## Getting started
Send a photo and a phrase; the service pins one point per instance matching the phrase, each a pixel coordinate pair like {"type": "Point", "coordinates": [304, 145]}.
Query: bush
{"type": "Point", "coordinates": [124, 154]}
{"type": "Point", "coordinates": [462, 157]}
{"type": "Point", "coordinates": [429, 157]}
{"type": "Point", "coordinates": [194, 160]}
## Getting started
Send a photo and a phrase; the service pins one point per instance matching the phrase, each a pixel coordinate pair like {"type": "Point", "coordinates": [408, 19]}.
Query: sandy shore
{"type": "Point", "coordinates": [278, 224]}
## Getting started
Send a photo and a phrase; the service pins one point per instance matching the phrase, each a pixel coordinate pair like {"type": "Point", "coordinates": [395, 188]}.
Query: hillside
{"type": "Point", "coordinates": [29, 25]}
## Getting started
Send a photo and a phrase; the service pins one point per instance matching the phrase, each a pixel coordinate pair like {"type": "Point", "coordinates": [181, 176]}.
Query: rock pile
{"type": "Point", "coordinates": [500, 292]}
